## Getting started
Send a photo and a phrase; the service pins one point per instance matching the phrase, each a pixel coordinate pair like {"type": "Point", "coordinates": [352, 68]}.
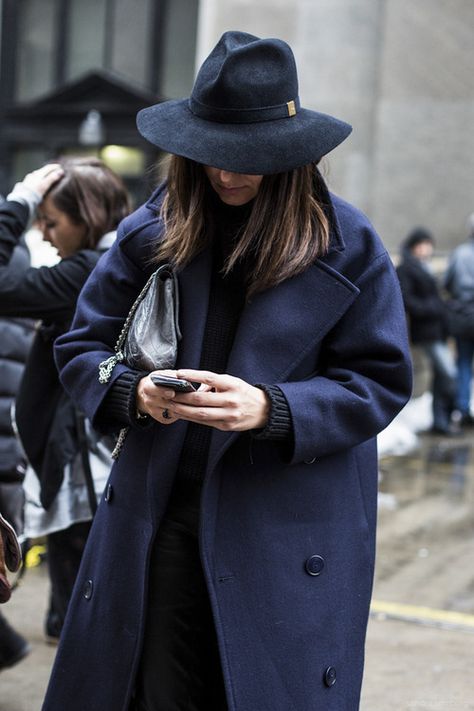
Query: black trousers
{"type": "Point", "coordinates": [180, 667]}
{"type": "Point", "coordinates": [65, 549]}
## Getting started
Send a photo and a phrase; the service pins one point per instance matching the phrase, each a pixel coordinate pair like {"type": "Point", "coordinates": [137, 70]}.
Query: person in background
{"type": "Point", "coordinates": [15, 341]}
{"type": "Point", "coordinates": [230, 563]}
{"type": "Point", "coordinates": [10, 558]}
{"type": "Point", "coordinates": [427, 324]}
{"type": "Point", "coordinates": [78, 203]}
{"type": "Point", "coordinates": [459, 282]}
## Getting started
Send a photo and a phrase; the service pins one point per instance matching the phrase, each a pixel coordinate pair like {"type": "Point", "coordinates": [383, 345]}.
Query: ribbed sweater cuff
{"type": "Point", "coordinates": [279, 425]}
{"type": "Point", "coordinates": [120, 404]}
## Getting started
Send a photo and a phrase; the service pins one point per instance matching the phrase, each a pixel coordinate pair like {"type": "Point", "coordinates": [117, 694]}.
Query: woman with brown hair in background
{"type": "Point", "coordinates": [78, 203]}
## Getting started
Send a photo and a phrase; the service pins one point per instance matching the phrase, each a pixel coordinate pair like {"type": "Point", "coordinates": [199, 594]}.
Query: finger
{"type": "Point", "coordinates": [205, 415]}
{"type": "Point", "coordinates": [50, 169]}
{"type": "Point", "coordinates": [208, 398]}
{"type": "Point", "coordinates": [213, 380]}
{"type": "Point", "coordinates": [162, 414]}
{"type": "Point", "coordinates": [42, 179]}
{"type": "Point", "coordinates": [167, 417]}
{"type": "Point", "coordinates": [160, 391]}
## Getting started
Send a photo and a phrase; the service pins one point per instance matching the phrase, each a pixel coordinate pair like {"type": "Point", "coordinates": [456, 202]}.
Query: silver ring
{"type": "Point", "coordinates": [166, 414]}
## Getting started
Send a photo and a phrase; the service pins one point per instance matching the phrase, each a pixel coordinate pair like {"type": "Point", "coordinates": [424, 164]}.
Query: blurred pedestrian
{"type": "Point", "coordinates": [78, 203]}
{"type": "Point", "coordinates": [230, 564]}
{"type": "Point", "coordinates": [15, 341]}
{"type": "Point", "coordinates": [428, 324]}
{"type": "Point", "coordinates": [459, 283]}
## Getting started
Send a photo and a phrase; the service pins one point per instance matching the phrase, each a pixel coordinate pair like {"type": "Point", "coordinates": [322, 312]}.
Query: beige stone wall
{"type": "Point", "coordinates": [402, 72]}
{"type": "Point", "coordinates": [424, 158]}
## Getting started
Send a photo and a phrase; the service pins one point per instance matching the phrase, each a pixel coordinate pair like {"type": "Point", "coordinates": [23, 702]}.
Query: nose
{"type": "Point", "coordinates": [226, 177]}
{"type": "Point", "coordinates": [46, 235]}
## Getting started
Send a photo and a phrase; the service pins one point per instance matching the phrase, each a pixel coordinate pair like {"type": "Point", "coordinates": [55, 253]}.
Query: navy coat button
{"type": "Point", "coordinates": [330, 676]}
{"type": "Point", "coordinates": [310, 461]}
{"type": "Point", "coordinates": [87, 589]}
{"type": "Point", "coordinates": [109, 492]}
{"type": "Point", "coordinates": [314, 565]}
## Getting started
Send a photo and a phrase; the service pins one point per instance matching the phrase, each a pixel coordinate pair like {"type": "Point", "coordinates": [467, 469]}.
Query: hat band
{"type": "Point", "coordinates": [266, 113]}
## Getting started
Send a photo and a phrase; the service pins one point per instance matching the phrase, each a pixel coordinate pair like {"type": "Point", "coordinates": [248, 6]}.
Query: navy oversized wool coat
{"type": "Point", "coordinates": [287, 537]}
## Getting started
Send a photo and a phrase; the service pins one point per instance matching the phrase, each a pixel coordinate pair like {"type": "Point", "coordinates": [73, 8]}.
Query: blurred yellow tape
{"type": "Point", "coordinates": [35, 555]}
{"type": "Point", "coordinates": [422, 615]}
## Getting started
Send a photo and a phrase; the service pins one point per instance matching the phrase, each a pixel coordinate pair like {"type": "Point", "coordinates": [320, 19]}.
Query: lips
{"type": "Point", "coordinates": [229, 190]}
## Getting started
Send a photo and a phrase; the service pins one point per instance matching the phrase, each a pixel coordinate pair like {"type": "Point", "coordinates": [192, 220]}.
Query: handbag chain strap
{"type": "Point", "coordinates": [119, 443]}
{"type": "Point", "coordinates": [106, 366]}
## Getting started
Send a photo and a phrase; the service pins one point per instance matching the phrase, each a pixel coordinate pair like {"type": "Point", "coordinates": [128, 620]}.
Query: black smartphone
{"type": "Point", "coordinates": [178, 384]}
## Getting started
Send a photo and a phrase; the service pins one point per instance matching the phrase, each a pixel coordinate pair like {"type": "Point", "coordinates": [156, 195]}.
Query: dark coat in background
{"type": "Point", "coordinates": [15, 340]}
{"type": "Point", "coordinates": [16, 335]}
{"type": "Point", "coordinates": [287, 537]}
{"type": "Point", "coordinates": [424, 306]}
{"type": "Point", "coordinates": [44, 413]}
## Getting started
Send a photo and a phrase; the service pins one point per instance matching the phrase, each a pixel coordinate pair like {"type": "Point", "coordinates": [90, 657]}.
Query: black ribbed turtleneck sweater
{"type": "Point", "coordinates": [226, 301]}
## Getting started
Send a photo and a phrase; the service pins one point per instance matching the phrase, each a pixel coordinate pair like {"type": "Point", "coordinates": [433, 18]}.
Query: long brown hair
{"type": "Point", "coordinates": [287, 229]}
{"type": "Point", "coordinates": [91, 194]}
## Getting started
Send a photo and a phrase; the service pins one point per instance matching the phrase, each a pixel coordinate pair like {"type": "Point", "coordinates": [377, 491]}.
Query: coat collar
{"type": "Point", "coordinates": [277, 329]}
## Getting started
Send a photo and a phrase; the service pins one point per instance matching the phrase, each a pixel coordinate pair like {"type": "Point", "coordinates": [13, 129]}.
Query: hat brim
{"type": "Point", "coordinates": [259, 148]}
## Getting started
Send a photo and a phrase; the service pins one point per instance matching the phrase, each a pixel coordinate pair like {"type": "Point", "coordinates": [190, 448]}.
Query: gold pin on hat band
{"type": "Point", "coordinates": [291, 108]}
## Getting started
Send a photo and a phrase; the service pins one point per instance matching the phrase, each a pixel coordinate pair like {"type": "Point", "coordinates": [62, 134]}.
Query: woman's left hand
{"type": "Point", "coordinates": [223, 401]}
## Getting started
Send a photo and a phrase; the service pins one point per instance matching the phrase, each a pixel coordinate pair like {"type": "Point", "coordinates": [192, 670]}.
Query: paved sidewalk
{"type": "Point", "coordinates": [22, 687]}
{"type": "Point", "coordinates": [425, 572]}
{"type": "Point", "coordinates": [409, 667]}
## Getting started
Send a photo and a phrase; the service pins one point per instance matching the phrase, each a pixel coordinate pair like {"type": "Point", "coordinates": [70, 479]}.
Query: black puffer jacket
{"type": "Point", "coordinates": [423, 303]}
{"type": "Point", "coordinates": [15, 340]}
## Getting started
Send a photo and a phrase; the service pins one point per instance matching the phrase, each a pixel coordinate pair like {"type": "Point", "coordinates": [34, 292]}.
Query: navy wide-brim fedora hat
{"type": "Point", "coordinates": [244, 113]}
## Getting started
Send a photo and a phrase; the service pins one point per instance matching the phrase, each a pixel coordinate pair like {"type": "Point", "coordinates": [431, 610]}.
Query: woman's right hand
{"type": "Point", "coordinates": [154, 400]}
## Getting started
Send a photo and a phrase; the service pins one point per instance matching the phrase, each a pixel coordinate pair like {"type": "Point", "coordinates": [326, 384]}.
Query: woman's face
{"type": "Point", "coordinates": [233, 188]}
{"type": "Point", "coordinates": [58, 229]}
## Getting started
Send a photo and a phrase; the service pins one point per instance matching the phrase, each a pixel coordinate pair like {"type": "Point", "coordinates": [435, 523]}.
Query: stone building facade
{"type": "Point", "coordinates": [401, 72]}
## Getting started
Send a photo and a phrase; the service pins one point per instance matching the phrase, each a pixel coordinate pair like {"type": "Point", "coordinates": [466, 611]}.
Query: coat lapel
{"type": "Point", "coordinates": [280, 326]}
{"type": "Point", "coordinates": [194, 285]}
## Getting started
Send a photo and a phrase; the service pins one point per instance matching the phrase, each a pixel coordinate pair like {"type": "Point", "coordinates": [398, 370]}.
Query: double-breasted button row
{"type": "Point", "coordinates": [314, 565]}
{"type": "Point", "coordinates": [87, 589]}
{"type": "Point", "coordinates": [109, 493]}
{"type": "Point", "coordinates": [330, 676]}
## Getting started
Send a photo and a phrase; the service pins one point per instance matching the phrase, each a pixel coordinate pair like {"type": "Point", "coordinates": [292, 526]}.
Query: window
{"type": "Point", "coordinates": [149, 42]}
{"type": "Point", "coordinates": [178, 56]}
{"type": "Point", "coordinates": [85, 35]}
{"type": "Point", "coordinates": [35, 53]}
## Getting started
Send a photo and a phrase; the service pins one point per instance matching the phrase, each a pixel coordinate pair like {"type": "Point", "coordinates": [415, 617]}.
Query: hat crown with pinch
{"type": "Point", "coordinates": [246, 79]}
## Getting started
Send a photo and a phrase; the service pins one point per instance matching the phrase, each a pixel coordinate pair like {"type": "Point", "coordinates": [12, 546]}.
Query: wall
{"type": "Point", "coordinates": [401, 72]}
{"type": "Point", "coordinates": [424, 157]}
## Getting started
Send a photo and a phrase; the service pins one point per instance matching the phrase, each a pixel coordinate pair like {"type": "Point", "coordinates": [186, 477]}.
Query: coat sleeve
{"type": "Point", "coordinates": [365, 374]}
{"type": "Point", "coordinates": [101, 311]}
{"type": "Point", "coordinates": [47, 293]}
{"type": "Point", "coordinates": [13, 221]}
